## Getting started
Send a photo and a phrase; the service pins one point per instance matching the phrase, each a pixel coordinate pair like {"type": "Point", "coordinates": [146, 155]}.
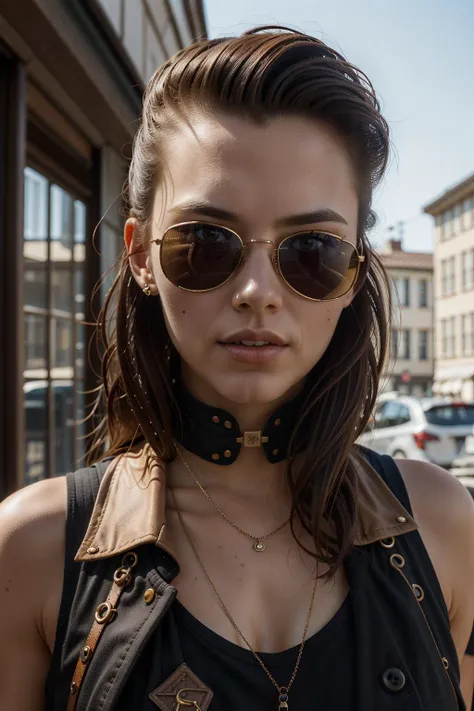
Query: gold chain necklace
{"type": "Point", "coordinates": [258, 545]}
{"type": "Point", "coordinates": [283, 691]}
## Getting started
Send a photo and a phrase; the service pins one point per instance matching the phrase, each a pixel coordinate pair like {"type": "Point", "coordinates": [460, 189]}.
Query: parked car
{"type": "Point", "coordinates": [429, 429]}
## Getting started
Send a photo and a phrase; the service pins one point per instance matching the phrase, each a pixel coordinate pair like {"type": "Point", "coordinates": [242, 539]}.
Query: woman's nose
{"type": "Point", "coordinates": [257, 286]}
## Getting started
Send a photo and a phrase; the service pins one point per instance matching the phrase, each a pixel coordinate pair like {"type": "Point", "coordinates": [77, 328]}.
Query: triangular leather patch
{"type": "Point", "coordinates": [189, 687]}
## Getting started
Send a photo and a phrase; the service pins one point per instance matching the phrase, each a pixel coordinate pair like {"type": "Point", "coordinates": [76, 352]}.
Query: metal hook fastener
{"type": "Point", "coordinates": [186, 702]}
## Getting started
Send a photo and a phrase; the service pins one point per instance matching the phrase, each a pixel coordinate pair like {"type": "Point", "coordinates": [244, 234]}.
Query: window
{"type": "Point", "coordinates": [450, 415]}
{"type": "Point", "coordinates": [467, 333]}
{"type": "Point", "coordinates": [402, 287]}
{"type": "Point", "coordinates": [54, 345]}
{"type": "Point", "coordinates": [448, 276]}
{"type": "Point", "coordinates": [453, 335]}
{"type": "Point", "coordinates": [444, 275]}
{"type": "Point", "coordinates": [467, 269]}
{"type": "Point", "coordinates": [404, 352]}
{"type": "Point", "coordinates": [449, 223]}
{"type": "Point", "coordinates": [448, 337]}
{"type": "Point", "coordinates": [391, 414]}
{"type": "Point", "coordinates": [444, 337]}
{"type": "Point", "coordinates": [451, 275]}
{"type": "Point", "coordinates": [394, 344]}
{"type": "Point", "coordinates": [457, 218]}
{"type": "Point", "coordinates": [400, 344]}
{"type": "Point", "coordinates": [439, 222]}
{"type": "Point", "coordinates": [423, 345]}
{"type": "Point", "coordinates": [467, 213]}
{"type": "Point", "coordinates": [423, 293]}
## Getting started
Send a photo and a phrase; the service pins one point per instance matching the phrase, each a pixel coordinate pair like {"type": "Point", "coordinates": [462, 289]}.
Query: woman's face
{"type": "Point", "coordinates": [258, 180]}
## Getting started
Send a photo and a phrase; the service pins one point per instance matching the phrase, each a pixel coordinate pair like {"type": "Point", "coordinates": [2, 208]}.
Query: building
{"type": "Point", "coordinates": [454, 286]}
{"type": "Point", "coordinates": [71, 78]}
{"type": "Point", "coordinates": [410, 368]}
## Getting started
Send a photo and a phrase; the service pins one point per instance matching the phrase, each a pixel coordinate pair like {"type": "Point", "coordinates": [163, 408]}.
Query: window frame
{"type": "Point", "coordinates": [53, 317]}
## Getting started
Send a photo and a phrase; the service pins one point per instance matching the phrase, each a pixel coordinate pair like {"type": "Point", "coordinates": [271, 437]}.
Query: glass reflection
{"type": "Point", "coordinates": [35, 332]}
{"type": "Point", "coordinates": [35, 246]}
{"type": "Point", "coordinates": [62, 340]}
{"type": "Point", "coordinates": [36, 417]}
{"type": "Point", "coordinates": [63, 398]}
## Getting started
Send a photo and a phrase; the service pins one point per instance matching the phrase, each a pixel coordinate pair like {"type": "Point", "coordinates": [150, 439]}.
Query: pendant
{"type": "Point", "coordinates": [259, 546]}
{"type": "Point", "coordinates": [283, 699]}
{"type": "Point", "coordinates": [282, 705]}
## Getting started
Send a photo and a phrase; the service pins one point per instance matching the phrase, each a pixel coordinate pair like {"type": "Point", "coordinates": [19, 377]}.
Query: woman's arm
{"type": "Point", "coordinates": [444, 512]}
{"type": "Point", "coordinates": [31, 567]}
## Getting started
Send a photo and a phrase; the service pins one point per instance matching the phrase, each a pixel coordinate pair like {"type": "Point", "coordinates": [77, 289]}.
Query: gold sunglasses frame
{"type": "Point", "coordinates": [275, 257]}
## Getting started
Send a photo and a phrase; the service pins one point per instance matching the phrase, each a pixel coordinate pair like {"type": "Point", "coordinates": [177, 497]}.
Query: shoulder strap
{"type": "Point", "coordinates": [82, 489]}
{"type": "Point", "coordinates": [387, 469]}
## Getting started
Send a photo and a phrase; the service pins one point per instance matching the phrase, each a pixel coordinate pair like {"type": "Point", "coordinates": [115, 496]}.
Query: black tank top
{"type": "Point", "coordinates": [377, 653]}
{"type": "Point", "coordinates": [239, 682]}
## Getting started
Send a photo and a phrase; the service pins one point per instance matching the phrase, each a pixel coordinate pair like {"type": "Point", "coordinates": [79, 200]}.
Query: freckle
{"type": "Point", "coordinates": [183, 311]}
{"type": "Point", "coordinates": [195, 578]}
{"type": "Point", "coordinates": [242, 565]}
{"type": "Point", "coordinates": [236, 557]}
{"type": "Point", "coordinates": [220, 547]}
{"type": "Point", "coordinates": [239, 580]}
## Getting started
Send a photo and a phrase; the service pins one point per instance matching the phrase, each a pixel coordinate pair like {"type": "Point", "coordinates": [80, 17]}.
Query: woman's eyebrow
{"type": "Point", "coordinates": [305, 218]}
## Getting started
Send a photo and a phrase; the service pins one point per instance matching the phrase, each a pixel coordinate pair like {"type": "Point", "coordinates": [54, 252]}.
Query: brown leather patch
{"type": "Point", "coordinates": [191, 687]}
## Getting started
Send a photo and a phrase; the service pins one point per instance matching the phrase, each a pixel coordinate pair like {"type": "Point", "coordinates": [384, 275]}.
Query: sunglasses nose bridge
{"type": "Point", "coordinates": [269, 242]}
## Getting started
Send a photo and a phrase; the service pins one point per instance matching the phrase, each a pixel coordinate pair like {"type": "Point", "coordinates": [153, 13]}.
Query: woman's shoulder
{"type": "Point", "coordinates": [33, 516]}
{"type": "Point", "coordinates": [444, 512]}
{"type": "Point", "coordinates": [439, 501]}
{"type": "Point", "coordinates": [32, 545]}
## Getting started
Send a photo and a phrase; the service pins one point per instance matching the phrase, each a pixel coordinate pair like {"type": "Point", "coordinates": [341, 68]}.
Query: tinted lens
{"type": "Point", "coordinates": [199, 256]}
{"type": "Point", "coordinates": [318, 265]}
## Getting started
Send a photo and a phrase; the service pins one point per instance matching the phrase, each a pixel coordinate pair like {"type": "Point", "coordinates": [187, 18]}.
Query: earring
{"type": "Point", "coordinates": [147, 290]}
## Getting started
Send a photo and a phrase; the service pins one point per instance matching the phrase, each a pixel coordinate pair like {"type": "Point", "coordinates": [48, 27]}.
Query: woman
{"type": "Point", "coordinates": [279, 565]}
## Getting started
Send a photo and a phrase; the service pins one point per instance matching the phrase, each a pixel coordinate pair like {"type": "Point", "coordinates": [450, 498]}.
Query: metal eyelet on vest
{"type": "Point", "coordinates": [419, 592]}
{"type": "Point", "coordinates": [122, 576]}
{"type": "Point", "coordinates": [397, 561]}
{"type": "Point", "coordinates": [104, 613]}
{"type": "Point", "coordinates": [85, 654]}
{"type": "Point", "coordinates": [387, 542]}
{"type": "Point", "coordinates": [130, 560]}
{"type": "Point", "coordinates": [445, 663]}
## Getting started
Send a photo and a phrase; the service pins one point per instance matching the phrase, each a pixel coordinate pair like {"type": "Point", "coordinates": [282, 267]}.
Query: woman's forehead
{"type": "Point", "coordinates": [287, 165]}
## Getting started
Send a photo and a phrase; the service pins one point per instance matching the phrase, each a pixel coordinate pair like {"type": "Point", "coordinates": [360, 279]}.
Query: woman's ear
{"type": "Point", "coordinates": [138, 256]}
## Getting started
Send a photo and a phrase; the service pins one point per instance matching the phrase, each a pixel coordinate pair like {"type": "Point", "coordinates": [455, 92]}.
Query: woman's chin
{"type": "Point", "coordinates": [253, 391]}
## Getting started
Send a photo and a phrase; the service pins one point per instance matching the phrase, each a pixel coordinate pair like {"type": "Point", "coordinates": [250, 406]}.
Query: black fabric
{"type": "Point", "coordinates": [82, 489]}
{"type": "Point", "coordinates": [212, 433]}
{"type": "Point", "coordinates": [239, 682]}
{"type": "Point", "coordinates": [470, 646]}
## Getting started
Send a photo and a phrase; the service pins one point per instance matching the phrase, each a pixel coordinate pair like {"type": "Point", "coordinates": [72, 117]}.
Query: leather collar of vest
{"type": "Point", "coordinates": [214, 434]}
{"type": "Point", "coordinates": [130, 508]}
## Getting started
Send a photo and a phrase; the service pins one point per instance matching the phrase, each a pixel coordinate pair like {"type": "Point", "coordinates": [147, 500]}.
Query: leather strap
{"type": "Point", "coordinates": [104, 614]}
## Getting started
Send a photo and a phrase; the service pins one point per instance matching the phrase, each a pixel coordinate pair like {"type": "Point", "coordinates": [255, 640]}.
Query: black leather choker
{"type": "Point", "coordinates": [214, 435]}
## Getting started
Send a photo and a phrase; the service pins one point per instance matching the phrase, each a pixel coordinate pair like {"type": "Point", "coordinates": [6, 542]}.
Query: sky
{"type": "Point", "coordinates": [419, 55]}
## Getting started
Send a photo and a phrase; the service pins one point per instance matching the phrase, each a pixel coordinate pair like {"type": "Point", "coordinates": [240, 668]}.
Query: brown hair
{"type": "Point", "coordinates": [267, 72]}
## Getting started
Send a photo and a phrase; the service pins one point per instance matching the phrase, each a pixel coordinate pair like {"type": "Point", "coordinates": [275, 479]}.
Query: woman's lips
{"type": "Point", "coordinates": [253, 354]}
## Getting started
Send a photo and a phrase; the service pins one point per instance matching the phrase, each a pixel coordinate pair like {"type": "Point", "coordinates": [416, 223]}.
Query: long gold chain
{"type": "Point", "coordinates": [258, 545]}
{"type": "Point", "coordinates": [283, 691]}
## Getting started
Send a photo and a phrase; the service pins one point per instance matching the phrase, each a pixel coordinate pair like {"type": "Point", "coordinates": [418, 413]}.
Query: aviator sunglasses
{"type": "Point", "coordinates": [199, 256]}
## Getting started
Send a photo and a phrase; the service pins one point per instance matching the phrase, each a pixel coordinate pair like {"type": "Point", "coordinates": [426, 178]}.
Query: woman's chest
{"type": "Point", "coordinates": [270, 597]}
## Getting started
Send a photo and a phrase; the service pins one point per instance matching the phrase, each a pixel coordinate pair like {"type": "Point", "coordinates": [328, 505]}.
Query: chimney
{"type": "Point", "coordinates": [394, 245]}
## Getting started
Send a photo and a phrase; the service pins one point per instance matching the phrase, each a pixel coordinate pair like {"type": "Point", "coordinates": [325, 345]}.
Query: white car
{"type": "Point", "coordinates": [428, 429]}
